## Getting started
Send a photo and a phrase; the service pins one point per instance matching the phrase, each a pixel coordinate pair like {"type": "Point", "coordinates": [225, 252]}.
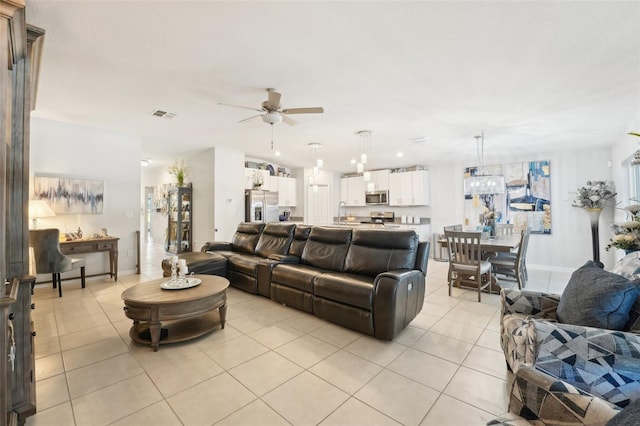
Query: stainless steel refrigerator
{"type": "Point", "coordinates": [261, 206]}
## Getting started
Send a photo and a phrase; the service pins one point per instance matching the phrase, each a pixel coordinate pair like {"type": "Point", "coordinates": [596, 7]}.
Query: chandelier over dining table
{"type": "Point", "coordinates": [483, 183]}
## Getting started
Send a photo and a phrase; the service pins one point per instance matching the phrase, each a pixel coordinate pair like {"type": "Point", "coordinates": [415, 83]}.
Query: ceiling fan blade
{"type": "Point", "coordinates": [273, 103]}
{"type": "Point", "coordinates": [289, 121]}
{"type": "Point", "coordinates": [247, 119]}
{"type": "Point", "coordinates": [312, 110]}
{"type": "Point", "coordinates": [240, 106]}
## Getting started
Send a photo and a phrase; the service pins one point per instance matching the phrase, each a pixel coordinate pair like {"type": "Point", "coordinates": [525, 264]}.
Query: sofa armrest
{"type": "Point", "coordinates": [398, 296]}
{"type": "Point", "coordinates": [529, 303]}
{"type": "Point", "coordinates": [216, 245]}
{"type": "Point", "coordinates": [536, 396]}
{"type": "Point", "coordinates": [605, 363]}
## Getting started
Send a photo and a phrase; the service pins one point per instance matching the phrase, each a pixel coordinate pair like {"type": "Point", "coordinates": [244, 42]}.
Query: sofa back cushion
{"type": "Point", "coordinates": [597, 298]}
{"type": "Point", "coordinates": [299, 240]}
{"type": "Point", "coordinates": [246, 237]}
{"type": "Point", "coordinates": [373, 251]}
{"type": "Point", "coordinates": [327, 247]}
{"type": "Point", "coordinates": [275, 239]}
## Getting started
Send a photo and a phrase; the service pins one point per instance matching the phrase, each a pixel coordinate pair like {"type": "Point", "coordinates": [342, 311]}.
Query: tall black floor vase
{"type": "Point", "coordinates": [594, 219]}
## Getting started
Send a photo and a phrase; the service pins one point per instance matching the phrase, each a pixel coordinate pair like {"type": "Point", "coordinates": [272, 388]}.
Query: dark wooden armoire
{"type": "Point", "coordinates": [20, 52]}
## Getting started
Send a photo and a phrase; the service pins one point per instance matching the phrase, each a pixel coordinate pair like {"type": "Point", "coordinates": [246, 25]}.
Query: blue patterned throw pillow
{"type": "Point", "coordinates": [597, 298]}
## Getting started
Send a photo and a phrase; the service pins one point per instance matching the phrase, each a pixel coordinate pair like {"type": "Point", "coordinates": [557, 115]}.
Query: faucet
{"type": "Point", "coordinates": [341, 204]}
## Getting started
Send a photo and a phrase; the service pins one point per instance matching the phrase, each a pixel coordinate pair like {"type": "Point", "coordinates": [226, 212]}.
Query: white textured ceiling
{"type": "Point", "coordinates": [534, 76]}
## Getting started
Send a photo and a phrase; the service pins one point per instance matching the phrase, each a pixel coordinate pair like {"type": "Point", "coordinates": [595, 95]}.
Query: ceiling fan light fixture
{"type": "Point", "coordinates": [272, 118]}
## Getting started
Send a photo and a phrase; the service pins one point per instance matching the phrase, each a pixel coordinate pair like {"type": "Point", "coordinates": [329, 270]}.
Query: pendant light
{"type": "Point", "coordinates": [365, 141]}
{"type": "Point", "coordinates": [483, 183]}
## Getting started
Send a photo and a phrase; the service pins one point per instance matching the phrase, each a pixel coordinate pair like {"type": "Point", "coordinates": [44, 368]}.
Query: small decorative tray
{"type": "Point", "coordinates": [178, 285]}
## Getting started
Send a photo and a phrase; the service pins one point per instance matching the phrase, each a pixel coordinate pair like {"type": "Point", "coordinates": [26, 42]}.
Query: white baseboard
{"type": "Point", "coordinates": [550, 268]}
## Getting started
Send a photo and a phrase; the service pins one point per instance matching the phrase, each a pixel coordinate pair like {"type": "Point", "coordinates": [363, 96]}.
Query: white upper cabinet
{"type": "Point", "coordinates": [409, 188]}
{"type": "Point", "coordinates": [287, 191]}
{"type": "Point", "coordinates": [352, 191]}
{"type": "Point", "coordinates": [380, 180]}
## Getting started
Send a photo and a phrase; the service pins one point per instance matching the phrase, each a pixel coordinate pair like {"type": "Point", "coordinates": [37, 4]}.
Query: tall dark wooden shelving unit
{"type": "Point", "coordinates": [180, 216]}
{"type": "Point", "coordinates": [20, 52]}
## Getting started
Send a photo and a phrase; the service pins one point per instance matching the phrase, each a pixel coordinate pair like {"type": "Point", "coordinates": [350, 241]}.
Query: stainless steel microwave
{"type": "Point", "coordinates": [376, 198]}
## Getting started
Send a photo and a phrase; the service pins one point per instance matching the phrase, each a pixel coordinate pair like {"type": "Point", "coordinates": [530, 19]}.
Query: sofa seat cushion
{"type": "Point", "coordinates": [296, 276]}
{"type": "Point", "coordinates": [597, 298]}
{"type": "Point", "coordinates": [245, 263]}
{"type": "Point", "coordinates": [224, 253]}
{"type": "Point", "coordinates": [350, 289]}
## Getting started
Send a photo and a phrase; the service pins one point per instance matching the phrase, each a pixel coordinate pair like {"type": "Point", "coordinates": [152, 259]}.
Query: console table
{"type": "Point", "coordinates": [95, 245]}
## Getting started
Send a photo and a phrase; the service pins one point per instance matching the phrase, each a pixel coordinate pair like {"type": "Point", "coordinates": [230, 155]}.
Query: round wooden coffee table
{"type": "Point", "coordinates": [168, 316]}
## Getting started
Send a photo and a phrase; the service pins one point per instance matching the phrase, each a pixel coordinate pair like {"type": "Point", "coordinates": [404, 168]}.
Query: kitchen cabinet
{"type": "Point", "coordinates": [253, 175]}
{"type": "Point", "coordinates": [179, 214]}
{"type": "Point", "coordinates": [380, 180]}
{"type": "Point", "coordinates": [287, 191]}
{"type": "Point", "coordinates": [352, 190]}
{"type": "Point", "coordinates": [409, 188]}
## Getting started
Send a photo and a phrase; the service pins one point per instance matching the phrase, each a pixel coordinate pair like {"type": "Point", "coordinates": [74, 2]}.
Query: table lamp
{"type": "Point", "coordinates": [38, 209]}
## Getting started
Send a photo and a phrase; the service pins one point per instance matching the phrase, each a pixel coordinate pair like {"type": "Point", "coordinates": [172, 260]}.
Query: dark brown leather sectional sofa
{"type": "Point", "coordinates": [370, 280]}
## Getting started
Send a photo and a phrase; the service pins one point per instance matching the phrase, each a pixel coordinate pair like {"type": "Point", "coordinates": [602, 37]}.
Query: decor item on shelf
{"type": "Point", "coordinates": [592, 198]}
{"type": "Point", "coordinates": [179, 171]}
{"type": "Point", "coordinates": [627, 234]}
{"type": "Point", "coordinates": [160, 195]}
{"type": "Point", "coordinates": [258, 180]}
{"type": "Point", "coordinates": [37, 210]}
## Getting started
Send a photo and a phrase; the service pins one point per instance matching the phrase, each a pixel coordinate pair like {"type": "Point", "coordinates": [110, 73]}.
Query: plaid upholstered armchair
{"type": "Point", "coordinates": [604, 363]}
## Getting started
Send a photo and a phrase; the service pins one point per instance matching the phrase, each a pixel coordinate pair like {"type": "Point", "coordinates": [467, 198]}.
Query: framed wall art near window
{"type": "Point", "coordinates": [70, 195]}
{"type": "Point", "coordinates": [529, 195]}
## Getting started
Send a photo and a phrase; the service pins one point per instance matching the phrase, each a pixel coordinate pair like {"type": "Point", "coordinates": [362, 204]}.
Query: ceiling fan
{"type": "Point", "coordinates": [271, 112]}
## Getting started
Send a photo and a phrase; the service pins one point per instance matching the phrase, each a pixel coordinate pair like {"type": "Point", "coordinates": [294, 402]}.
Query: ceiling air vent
{"type": "Point", "coordinates": [163, 114]}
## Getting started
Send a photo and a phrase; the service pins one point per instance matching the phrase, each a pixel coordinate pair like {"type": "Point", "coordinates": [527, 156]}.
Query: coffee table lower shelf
{"type": "Point", "coordinates": [178, 330]}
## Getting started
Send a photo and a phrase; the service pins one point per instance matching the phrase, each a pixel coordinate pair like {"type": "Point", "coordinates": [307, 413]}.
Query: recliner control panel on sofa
{"type": "Point", "coordinates": [370, 280]}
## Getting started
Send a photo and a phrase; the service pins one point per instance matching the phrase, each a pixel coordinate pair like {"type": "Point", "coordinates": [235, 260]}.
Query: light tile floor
{"type": "Point", "coordinates": [271, 365]}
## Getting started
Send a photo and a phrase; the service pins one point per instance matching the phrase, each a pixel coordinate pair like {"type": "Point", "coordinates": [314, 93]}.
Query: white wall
{"type": "Point", "coordinates": [569, 244]}
{"type": "Point", "coordinates": [76, 151]}
{"type": "Point", "coordinates": [217, 178]}
{"type": "Point", "coordinates": [228, 184]}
